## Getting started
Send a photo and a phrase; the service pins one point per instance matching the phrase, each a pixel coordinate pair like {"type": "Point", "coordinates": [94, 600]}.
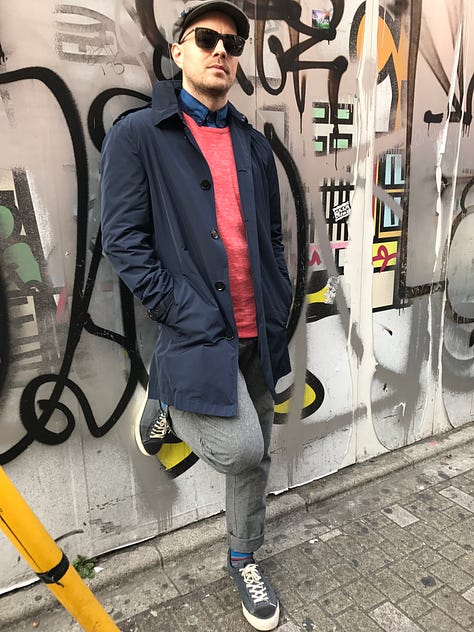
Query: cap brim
{"type": "Point", "coordinates": [239, 17]}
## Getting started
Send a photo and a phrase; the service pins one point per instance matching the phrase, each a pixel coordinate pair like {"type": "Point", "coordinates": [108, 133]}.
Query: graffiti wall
{"type": "Point", "coordinates": [368, 108]}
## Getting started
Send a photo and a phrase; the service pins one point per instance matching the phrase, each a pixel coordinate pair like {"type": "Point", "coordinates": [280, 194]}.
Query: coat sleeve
{"type": "Point", "coordinates": [127, 225]}
{"type": "Point", "coordinates": [275, 219]}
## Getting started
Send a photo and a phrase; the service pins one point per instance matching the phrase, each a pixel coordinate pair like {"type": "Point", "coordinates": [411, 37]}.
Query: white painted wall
{"type": "Point", "coordinates": [389, 360]}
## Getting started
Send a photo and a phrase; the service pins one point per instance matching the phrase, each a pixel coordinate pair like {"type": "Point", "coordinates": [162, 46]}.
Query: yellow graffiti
{"type": "Point", "coordinates": [317, 297]}
{"type": "Point", "coordinates": [309, 398]}
{"type": "Point", "coordinates": [384, 254]}
{"type": "Point", "coordinates": [172, 454]}
{"type": "Point", "coordinates": [387, 48]}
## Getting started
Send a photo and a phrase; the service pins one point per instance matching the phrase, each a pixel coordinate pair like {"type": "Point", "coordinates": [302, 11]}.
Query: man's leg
{"type": "Point", "coordinates": [246, 492]}
{"type": "Point", "coordinates": [238, 447]}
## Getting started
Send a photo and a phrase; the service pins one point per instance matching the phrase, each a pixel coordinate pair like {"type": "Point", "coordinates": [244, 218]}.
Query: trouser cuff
{"type": "Point", "coordinates": [248, 545]}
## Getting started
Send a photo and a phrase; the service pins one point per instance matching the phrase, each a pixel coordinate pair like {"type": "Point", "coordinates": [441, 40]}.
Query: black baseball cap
{"type": "Point", "coordinates": [194, 9]}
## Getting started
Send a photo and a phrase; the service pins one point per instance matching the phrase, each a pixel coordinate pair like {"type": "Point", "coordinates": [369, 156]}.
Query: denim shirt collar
{"type": "Point", "coordinates": [200, 113]}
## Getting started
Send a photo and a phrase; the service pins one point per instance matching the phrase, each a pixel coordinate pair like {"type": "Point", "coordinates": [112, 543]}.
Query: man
{"type": "Point", "coordinates": [191, 223]}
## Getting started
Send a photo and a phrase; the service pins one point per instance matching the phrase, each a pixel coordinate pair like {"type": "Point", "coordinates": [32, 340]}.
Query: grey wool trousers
{"type": "Point", "coordinates": [239, 448]}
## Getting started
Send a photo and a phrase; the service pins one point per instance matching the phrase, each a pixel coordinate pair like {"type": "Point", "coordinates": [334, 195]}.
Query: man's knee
{"type": "Point", "coordinates": [242, 458]}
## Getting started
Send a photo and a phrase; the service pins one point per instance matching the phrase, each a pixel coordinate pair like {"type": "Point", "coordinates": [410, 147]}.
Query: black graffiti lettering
{"type": "Point", "coordinates": [392, 29]}
{"type": "Point", "coordinates": [299, 198]}
{"type": "Point", "coordinates": [288, 60]}
{"type": "Point", "coordinates": [95, 117]}
{"type": "Point", "coordinates": [467, 119]}
{"type": "Point", "coordinates": [465, 211]}
{"type": "Point", "coordinates": [430, 53]}
{"type": "Point", "coordinates": [36, 426]}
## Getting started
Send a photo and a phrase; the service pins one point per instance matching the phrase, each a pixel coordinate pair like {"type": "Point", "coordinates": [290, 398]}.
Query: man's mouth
{"type": "Point", "coordinates": [217, 67]}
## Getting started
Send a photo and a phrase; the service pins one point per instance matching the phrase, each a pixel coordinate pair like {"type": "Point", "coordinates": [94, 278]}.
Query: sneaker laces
{"type": "Point", "coordinates": [254, 583]}
{"type": "Point", "coordinates": [160, 427]}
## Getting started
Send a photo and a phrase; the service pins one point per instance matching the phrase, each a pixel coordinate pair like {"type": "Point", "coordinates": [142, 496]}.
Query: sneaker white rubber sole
{"type": "Point", "coordinates": [262, 624]}
{"type": "Point", "coordinates": [136, 426]}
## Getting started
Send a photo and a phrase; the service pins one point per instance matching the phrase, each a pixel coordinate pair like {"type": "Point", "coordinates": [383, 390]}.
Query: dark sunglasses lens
{"type": "Point", "coordinates": [208, 38]}
{"type": "Point", "coordinates": [233, 44]}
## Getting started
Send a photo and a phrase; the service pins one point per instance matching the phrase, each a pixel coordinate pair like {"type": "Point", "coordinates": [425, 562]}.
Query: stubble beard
{"type": "Point", "coordinates": [208, 91]}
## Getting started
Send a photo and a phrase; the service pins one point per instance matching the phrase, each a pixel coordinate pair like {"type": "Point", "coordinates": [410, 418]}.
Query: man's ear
{"type": "Point", "coordinates": [177, 54]}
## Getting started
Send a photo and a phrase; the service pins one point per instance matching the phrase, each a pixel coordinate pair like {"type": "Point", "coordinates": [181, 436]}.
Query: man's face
{"type": "Point", "coordinates": [207, 74]}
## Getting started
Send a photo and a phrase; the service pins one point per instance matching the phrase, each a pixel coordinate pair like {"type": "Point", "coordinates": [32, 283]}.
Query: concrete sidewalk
{"type": "Point", "coordinates": [384, 545]}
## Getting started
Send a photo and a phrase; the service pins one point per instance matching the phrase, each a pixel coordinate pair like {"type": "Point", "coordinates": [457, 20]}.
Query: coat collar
{"type": "Point", "coordinates": [164, 103]}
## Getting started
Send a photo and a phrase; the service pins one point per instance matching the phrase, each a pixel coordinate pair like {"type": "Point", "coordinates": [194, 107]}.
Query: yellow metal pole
{"type": "Point", "coordinates": [28, 535]}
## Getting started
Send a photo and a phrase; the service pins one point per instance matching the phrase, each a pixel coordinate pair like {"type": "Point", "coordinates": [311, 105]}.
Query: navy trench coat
{"type": "Point", "coordinates": [160, 233]}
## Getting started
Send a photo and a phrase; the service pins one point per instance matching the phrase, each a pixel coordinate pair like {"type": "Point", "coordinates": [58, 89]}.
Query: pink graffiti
{"type": "Point", "coordinates": [314, 256]}
{"type": "Point", "coordinates": [383, 255]}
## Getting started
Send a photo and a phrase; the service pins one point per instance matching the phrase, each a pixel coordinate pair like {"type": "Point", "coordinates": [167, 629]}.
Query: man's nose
{"type": "Point", "coordinates": [219, 47]}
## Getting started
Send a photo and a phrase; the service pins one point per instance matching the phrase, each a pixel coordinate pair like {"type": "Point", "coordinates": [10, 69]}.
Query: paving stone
{"type": "Point", "coordinates": [462, 532]}
{"type": "Point", "coordinates": [400, 515]}
{"type": "Point", "coordinates": [311, 617]}
{"type": "Point", "coordinates": [394, 552]}
{"type": "Point", "coordinates": [437, 621]}
{"type": "Point", "coordinates": [415, 606]}
{"type": "Point", "coordinates": [362, 533]}
{"type": "Point", "coordinates": [391, 585]}
{"type": "Point", "coordinates": [391, 619]}
{"type": "Point", "coordinates": [150, 620]}
{"type": "Point", "coordinates": [376, 520]}
{"type": "Point", "coordinates": [364, 594]}
{"type": "Point", "coordinates": [289, 626]}
{"type": "Point", "coordinates": [456, 495]}
{"type": "Point", "coordinates": [227, 597]}
{"type": "Point", "coordinates": [455, 606]}
{"type": "Point", "coordinates": [456, 514]}
{"type": "Point", "coordinates": [320, 554]}
{"type": "Point", "coordinates": [192, 616]}
{"type": "Point", "coordinates": [451, 551]}
{"type": "Point", "coordinates": [290, 599]}
{"type": "Point", "coordinates": [428, 535]}
{"type": "Point", "coordinates": [470, 475]}
{"type": "Point", "coordinates": [354, 620]}
{"type": "Point", "coordinates": [469, 595]}
{"type": "Point", "coordinates": [345, 546]}
{"type": "Point", "coordinates": [433, 499]}
{"type": "Point", "coordinates": [336, 602]}
{"type": "Point", "coordinates": [369, 561]}
{"type": "Point", "coordinates": [452, 575]}
{"type": "Point", "coordinates": [437, 519]}
{"type": "Point", "coordinates": [418, 577]}
{"type": "Point", "coordinates": [466, 562]}
{"type": "Point", "coordinates": [426, 556]}
{"type": "Point", "coordinates": [403, 539]}
{"type": "Point", "coordinates": [464, 481]}
{"type": "Point", "coordinates": [294, 559]}
{"type": "Point", "coordinates": [312, 587]}
{"type": "Point", "coordinates": [345, 573]}
{"type": "Point", "coordinates": [329, 535]}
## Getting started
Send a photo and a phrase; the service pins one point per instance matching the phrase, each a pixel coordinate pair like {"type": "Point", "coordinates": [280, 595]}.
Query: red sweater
{"type": "Point", "coordinates": [216, 146]}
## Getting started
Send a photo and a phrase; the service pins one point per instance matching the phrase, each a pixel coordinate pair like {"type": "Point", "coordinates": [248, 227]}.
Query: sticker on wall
{"type": "Point", "coordinates": [341, 211]}
{"type": "Point", "coordinates": [321, 18]}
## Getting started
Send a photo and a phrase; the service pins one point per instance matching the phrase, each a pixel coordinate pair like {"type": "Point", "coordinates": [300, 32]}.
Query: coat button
{"type": "Point", "coordinates": [205, 185]}
{"type": "Point", "coordinates": [229, 335]}
{"type": "Point", "coordinates": [214, 234]}
{"type": "Point", "coordinates": [219, 286]}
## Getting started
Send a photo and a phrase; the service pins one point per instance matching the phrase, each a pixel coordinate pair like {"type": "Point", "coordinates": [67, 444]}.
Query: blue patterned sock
{"type": "Point", "coordinates": [238, 559]}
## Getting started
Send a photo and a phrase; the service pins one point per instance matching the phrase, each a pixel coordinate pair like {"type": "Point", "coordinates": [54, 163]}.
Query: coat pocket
{"type": "Point", "coordinates": [194, 316]}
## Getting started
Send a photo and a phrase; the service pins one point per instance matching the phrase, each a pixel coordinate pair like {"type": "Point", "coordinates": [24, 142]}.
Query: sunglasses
{"type": "Point", "coordinates": [208, 38]}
